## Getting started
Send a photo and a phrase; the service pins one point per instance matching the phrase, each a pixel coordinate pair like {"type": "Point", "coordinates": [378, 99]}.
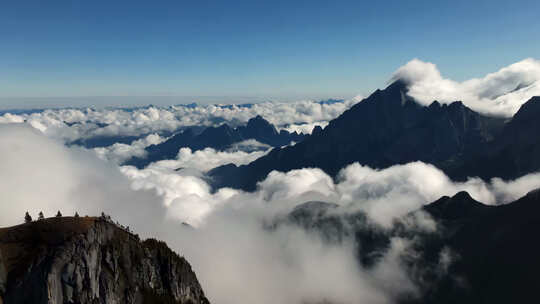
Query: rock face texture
{"type": "Point", "coordinates": [90, 260]}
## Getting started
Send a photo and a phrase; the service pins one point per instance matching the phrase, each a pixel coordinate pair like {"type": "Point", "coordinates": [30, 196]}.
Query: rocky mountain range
{"type": "Point", "coordinates": [219, 138]}
{"type": "Point", "coordinates": [90, 260]}
{"type": "Point", "coordinates": [390, 128]}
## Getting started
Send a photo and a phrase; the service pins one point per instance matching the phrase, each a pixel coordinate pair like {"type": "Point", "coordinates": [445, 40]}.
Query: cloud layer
{"type": "Point", "coordinates": [232, 252]}
{"type": "Point", "coordinates": [119, 152]}
{"type": "Point", "coordinates": [500, 93]}
{"type": "Point", "coordinates": [72, 124]}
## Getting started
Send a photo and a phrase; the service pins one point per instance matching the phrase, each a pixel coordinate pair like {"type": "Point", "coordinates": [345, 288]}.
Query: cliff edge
{"type": "Point", "coordinates": [90, 260]}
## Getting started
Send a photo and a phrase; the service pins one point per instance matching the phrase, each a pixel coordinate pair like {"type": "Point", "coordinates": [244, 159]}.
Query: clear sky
{"type": "Point", "coordinates": [239, 50]}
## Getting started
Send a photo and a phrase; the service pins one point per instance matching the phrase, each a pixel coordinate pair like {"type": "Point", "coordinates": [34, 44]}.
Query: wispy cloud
{"type": "Point", "coordinates": [498, 93]}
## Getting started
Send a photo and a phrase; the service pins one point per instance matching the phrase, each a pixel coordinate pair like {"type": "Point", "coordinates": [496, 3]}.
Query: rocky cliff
{"type": "Point", "coordinates": [90, 260]}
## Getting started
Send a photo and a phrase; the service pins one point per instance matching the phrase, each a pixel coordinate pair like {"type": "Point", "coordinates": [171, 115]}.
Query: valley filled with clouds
{"type": "Point", "coordinates": [73, 160]}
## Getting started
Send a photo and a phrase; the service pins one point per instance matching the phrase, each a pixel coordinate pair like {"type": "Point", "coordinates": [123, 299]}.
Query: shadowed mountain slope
{"type": "Point", "coordinates": [477, 254]}
{"type": "Point", "coordinates": [219, 138]}
{"type": "Point", "coordinates": [385, 129]}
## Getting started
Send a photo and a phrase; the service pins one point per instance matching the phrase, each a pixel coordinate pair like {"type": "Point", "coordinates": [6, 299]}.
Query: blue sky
{"type": "Point", "coordinates": [237, 50]}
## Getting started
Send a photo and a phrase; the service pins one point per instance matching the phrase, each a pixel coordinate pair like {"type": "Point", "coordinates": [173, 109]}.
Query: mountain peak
{"type": "Point", "coordinates": [398, 84]}
{"type": "Point", "coordinates": [459, 206]}
{"type": "Point", "coordinates": [258, 117]}
{"type": "Point", "coordinates": [258, 126]}
{"type": "Point", "coordinates": [258, 121]}
{"type": "Point", "coordinates": [316, 130]}
{"type": "Point", "coordinates": [435, 104]}
{"type": "Point", "coordinates": [529, 110]}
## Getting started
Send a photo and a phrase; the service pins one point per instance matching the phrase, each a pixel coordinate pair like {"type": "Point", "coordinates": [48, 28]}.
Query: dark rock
{"type": "Point", "coordinates": [90, 260]}
{"type": "Point", "coordinates": [219, 138]}
{"type": "Point", "coordinates": [385, 129]}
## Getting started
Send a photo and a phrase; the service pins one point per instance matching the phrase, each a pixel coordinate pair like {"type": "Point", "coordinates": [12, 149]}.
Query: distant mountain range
{"type": "Point", "coordinates": [390, 127]}
{"type": "Point", "coordinates": [219, 138]}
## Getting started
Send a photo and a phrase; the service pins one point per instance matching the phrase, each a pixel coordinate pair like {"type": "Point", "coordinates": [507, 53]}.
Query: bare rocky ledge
{"type": "Point", "coordinates": [90, 260]}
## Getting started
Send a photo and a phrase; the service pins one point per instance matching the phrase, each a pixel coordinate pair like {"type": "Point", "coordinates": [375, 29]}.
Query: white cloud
{"type": "Point", "coordinates": [508, 191]}
{"type": "Point", "coordinates": [383, 194]}
{"type": "Point", "coordinates": [305, 128]}
{"type": "Point", "coordinates": [249, 145]}
{"type": "Point", "coordinates": [73, 124]}
{"type": "Point", "coordinates": [393, 192]}
{"type": "Point", "coordinates": [208, 158]}
{"type": "Point", "coordinates": [231, 250]}
{"type": "Point", "coordinates": [11, 118]}
{"type": "Point", "coordinates": [40, 174]}
{"type": "Point", "coordinates": [119, 153]}
{"type": "Point", "coordinates": [499, 93]}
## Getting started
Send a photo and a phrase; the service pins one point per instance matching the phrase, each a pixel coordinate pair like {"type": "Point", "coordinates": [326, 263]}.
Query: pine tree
{"type": "Point", "coordinates": [40, 216]}
{"type": "Point", "coordinates": [76, 214]}
{"type": "Point", "coordinates": [27, 218]}
{"type": "Point", "coordinates": [59, 214]}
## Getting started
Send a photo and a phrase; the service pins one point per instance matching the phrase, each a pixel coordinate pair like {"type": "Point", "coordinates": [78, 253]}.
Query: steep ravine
{"type": "Point", "coordinates": [90, 260]}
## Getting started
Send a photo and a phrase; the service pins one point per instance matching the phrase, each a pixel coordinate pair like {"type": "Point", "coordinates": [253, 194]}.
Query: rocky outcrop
{"type": "Point", "coordinates": [90, 260]}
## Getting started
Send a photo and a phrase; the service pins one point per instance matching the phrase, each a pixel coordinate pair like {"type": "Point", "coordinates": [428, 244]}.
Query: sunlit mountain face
{"type": "Point", "coordinates": [421, 192]}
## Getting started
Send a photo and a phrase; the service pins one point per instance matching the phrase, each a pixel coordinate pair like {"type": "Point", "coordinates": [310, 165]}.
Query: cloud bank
{"type": "Point", "coordinates": [119, 152]}
{"type": "Point", "coordinates": [39, 173]}
{"type": "Point", "coordinates": [234, 255]}
{"type": "Point", "coordinates": [500, 93]}
{"type": "Point", "coordinates": [72, 124]}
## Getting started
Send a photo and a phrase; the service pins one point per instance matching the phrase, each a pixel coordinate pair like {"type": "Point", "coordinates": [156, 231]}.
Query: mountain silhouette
{"type": "Point", "coordinates": [219, 138]}
{"type": "Point", "coordinates": [388, 128]}
{"type": "Point", "coordinates": [515, 152]}
{"type": "Point", "coordinates": [477, 254]}
{"type": "Point", "coordinates": [495, 257]}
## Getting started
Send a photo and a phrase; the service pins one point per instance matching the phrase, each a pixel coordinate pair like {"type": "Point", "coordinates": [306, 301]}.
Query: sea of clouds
{"type": "Point", "coordinates": [236, 257]}
{"type": "Point", "coordinates": [232, 252]}
{"type": "Point", "coordinates": [73, 124]}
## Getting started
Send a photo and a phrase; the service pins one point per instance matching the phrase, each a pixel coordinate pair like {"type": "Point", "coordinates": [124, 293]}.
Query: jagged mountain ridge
{"type": "Point", "coordinates": [515, 152]}
{"type": "Point", "coordinates": [219, 138]}
{"type": "Point", "coordinates": [90, 260]}
{"type": "Point", "coordinates": [385, 129]}
{"type": "Point", "coordinates": [495, 255]}
{"type": "Point", "coordinates": [492, 255]}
